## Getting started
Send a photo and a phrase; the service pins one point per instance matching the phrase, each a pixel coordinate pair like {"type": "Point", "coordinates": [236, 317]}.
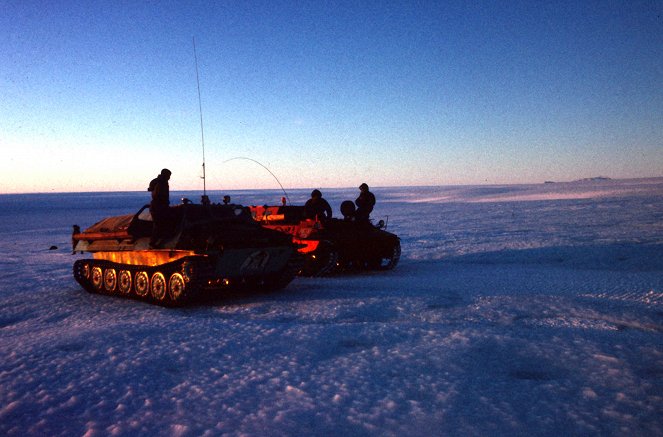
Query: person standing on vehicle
{"type": "Point", "coordinates": [365, 203]}
{"type": "Point", "coordinates": [317, 207]}
{"type": "Point", "coordinates": [159, 206]}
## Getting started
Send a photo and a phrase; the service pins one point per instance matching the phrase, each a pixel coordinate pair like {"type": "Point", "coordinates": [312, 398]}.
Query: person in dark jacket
{"type": "Point", "coordinates": [317, 207]}
{"type": "Point", "coordinates": [159, 206]}
{"type": "Point", "coordinates": [365, 203]}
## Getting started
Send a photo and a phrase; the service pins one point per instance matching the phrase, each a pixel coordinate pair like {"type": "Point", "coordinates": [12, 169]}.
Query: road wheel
{"type": "Point", "coordinates": [110, 280]}
{"type": "Point", "coordinates": [142, 284]}
{"type": "Point", "coordinates": [97, 278]}
{"type": "Point", "coordinates": [158, 286]}
{"type": "Point", "coordinates": [125, 282]}
{"type": "Point", "coordinates": [176, 287]}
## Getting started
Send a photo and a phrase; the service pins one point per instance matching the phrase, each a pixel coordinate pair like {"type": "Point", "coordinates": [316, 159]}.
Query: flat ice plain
{"type": "Point", "coordinates": [515, 310]}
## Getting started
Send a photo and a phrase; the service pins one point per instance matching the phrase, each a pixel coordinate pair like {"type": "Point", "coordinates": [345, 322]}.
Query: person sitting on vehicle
{"type": "Point", "coordinates": [348, 210]}
{"type": "Point", "coordinates": [317, 208]}
{"type": "Point", "coordinates": [365, 203]}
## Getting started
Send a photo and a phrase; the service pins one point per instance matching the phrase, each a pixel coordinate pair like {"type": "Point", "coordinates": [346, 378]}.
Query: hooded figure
{"type": "Point", "coordinates": [317, 207]}
{"type": "Point", "coordinates": [365, 203]}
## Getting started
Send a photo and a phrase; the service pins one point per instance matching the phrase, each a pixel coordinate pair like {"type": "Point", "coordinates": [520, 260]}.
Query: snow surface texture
{"type": "Point", "coordinates": [515, 310]}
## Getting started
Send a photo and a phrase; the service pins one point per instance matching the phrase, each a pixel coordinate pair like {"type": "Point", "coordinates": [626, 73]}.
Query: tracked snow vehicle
{"type": "Point", "coordinates": [208, 248]}
{"type": "Point", "coordinates": [333, 245]}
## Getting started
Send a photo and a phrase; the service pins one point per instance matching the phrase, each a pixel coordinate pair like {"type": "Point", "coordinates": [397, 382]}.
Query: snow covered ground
{"type": "Point", "coordinates": [515, 310]}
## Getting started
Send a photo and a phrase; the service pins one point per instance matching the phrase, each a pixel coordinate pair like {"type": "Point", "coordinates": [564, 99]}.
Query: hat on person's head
{"type": "Point", "coordinates": [363, 186]}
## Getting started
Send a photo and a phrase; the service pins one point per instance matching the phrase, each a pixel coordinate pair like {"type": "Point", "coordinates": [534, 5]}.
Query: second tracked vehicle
{"type": "Point", "coordinates": [333, 245]}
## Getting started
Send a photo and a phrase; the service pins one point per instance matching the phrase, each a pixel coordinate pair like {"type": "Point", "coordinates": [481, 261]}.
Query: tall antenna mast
{"type": "Point", "coordinates": [200, 108]}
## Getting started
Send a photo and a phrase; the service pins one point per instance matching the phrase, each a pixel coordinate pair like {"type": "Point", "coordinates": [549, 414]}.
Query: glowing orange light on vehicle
{"type": "Point", "coordinates": [308, 245]}
{"type": "Point", "coordinates": [143, 258]}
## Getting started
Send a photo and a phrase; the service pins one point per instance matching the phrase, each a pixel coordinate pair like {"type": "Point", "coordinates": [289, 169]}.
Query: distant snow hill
{"type": "Point", "coordinates": [594, 179]}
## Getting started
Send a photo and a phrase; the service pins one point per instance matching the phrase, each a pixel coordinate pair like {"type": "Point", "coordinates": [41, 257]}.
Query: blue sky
{"type": "Point", "coordinates": [99, 96]}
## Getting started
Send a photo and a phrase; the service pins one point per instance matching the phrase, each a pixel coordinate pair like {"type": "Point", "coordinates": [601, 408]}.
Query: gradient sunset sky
{"type": "Point", "coordinates": [100, 95]}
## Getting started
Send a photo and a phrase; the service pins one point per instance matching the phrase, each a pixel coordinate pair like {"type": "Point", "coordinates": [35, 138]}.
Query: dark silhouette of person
{"type": "Point", "coordinates": [317, 207]}
{"type": "Point", "coordinates": [226, 199]}
{"type": "Point", "coordinates": [159, 206]}
{"type": "Point", "coordinates": [348, 210]}
{"type": "Point", "coordinates": [365, 203]}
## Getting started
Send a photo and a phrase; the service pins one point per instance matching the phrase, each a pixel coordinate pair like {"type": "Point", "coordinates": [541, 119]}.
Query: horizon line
{"type": "Point", "coordinates": [547, 182]}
